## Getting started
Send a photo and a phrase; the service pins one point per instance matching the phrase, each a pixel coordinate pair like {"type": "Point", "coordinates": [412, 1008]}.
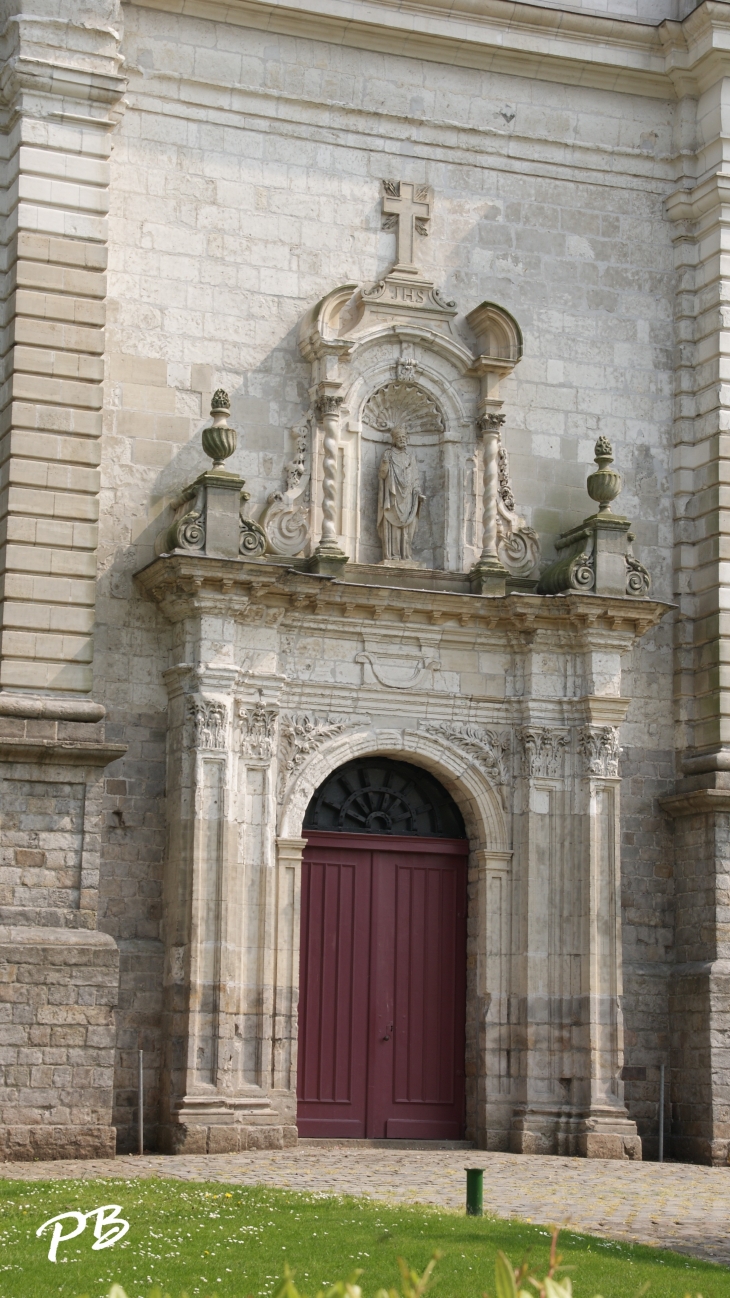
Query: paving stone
{"type": "Point", "coordinates": [670, 1205]}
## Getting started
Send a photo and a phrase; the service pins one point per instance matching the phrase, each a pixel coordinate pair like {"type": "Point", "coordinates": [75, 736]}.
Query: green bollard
{"type": "Point", "coordinates": [474, 1191]}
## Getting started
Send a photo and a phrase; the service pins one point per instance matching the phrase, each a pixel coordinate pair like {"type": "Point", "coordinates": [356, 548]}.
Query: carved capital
{"type": "Point", "coordinates": [543, 751]}
{"type": "Point", "coordinates": [600, 750]}
{"type": "Point", "coordinates": [258, 730]}
{"type": "Point", "coordinates": [490, 423]}
{"type": "Point", "coordinates": [210, 723]}
{"type": "Point", "coordinates": [327, 405]}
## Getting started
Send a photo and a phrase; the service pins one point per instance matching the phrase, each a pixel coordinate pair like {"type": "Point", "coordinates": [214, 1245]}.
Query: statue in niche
{"type": "Point", "coordinates": [399, 499]}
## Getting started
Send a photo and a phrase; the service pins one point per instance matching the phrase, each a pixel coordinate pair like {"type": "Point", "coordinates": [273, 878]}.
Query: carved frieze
{"type": "Point", "coordinates": [543, 750]}
{"type": "Point", "coordinates": [488, 748]}
{"type": "Point", "coordinates": [600, 749]}
{"type": "Point", "coordinates": [210, 723]}
{"type": "Point", "coordinates": [258, 730]}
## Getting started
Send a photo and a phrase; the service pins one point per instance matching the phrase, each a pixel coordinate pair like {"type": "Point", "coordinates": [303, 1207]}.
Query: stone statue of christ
{"type": "Point", "coordinates": [399, 499]}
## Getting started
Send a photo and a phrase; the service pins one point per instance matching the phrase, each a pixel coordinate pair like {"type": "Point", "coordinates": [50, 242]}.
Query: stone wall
{"type": "Point", "coordinates": [58, 989]}
{"type": "Point", "coordinates": [228, 220]}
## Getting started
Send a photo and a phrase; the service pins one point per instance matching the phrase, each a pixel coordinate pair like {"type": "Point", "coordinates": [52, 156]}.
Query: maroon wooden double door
{"type": "Point", "coordinates": [382, 987]}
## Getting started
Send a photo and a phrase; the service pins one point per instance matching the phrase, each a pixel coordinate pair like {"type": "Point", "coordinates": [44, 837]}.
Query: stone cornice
{"type": "Point", "coordinates": [665, 60]}
{"type": "Point", "coordinates": [73, 752]}
{"type": "Point", "coordinates": [186, 585]}
{"type": "Point", "coordinates": [696, 802]}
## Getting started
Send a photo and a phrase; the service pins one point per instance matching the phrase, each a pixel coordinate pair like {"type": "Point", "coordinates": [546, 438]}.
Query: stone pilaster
{"type": "Point", "coordinates": [567, 1038]}
{"type": "Point", "coordinates": [221, 914]}
{"type": "Point", "coordinates": [700, 212]}
{"type": "Point", "coordinates": [57, 124]}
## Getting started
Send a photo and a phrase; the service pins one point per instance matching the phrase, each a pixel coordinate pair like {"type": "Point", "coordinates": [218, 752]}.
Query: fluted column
{"type": "Point", "coordinates": [328, 556]}
{"type": "Point", "coordinates": [488, 574]}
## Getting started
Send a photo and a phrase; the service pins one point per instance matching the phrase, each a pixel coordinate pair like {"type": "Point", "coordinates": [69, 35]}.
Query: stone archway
{"type": "Point", "coordinates": [489, 861]}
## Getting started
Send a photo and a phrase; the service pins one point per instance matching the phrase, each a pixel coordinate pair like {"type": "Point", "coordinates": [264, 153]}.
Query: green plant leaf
{"type": "Point", "coordinates": [504, 1277]}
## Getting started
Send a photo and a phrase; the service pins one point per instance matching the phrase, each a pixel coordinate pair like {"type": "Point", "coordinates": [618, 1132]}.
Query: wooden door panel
{"type": "Point", "coordinates": [418, 984]}
{"type": "Point", "coordinates": [382, 990]}
{"type": "Point", "coordinates": [334, 979]}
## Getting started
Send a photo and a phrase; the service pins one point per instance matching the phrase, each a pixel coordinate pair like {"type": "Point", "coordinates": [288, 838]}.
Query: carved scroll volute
{"type": "Point", "coordinates": [285, 519]}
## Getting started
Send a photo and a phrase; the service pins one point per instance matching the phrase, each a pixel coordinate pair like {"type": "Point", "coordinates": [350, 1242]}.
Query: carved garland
{"type": "Point", "coordinates": [488, 748]}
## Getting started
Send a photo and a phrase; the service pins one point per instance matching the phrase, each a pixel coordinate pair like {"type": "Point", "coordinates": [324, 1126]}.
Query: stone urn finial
{"type": "Point", "coordinates": [605, 484]}
{"type": "Point", "coordinates": [219, 441]}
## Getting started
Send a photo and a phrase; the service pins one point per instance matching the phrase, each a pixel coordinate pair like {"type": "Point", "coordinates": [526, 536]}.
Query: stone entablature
{"type": "Point", "coordinates": [286, 675]}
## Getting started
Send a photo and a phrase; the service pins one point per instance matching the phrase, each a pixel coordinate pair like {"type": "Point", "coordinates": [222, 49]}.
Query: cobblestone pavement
{"type": "Point", "coordinates": [674, 1206]}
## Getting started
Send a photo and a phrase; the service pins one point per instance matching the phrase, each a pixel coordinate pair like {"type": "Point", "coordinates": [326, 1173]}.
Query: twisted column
{"type": "Point", "coordinates": [328, 556]}
{"type": "Point", "coordinates": [488, 574]}
{"type": "Point", "coordinates": [328, 414]}
{"type": "Point", "coordinates": [489, 426]}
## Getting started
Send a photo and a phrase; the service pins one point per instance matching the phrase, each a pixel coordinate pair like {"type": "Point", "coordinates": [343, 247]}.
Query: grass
{"type": "Point", "coordinates": [219, 1241]}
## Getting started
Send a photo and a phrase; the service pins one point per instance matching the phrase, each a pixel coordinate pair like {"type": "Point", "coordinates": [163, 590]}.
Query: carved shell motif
{"type": "Point", "coordinates": [406, 406]}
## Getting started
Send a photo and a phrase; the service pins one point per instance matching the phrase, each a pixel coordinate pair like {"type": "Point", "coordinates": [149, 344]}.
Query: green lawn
{"type": "Point", "coordinates": [230, 1242]}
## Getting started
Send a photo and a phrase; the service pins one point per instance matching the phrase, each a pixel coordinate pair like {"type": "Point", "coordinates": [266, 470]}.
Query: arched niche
{"type": "Point", "coordinates": [405, 341]}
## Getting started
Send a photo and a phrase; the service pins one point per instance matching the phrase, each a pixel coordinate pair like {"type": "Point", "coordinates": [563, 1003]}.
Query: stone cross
{"type": "Point", "coordinates": [406, 209]}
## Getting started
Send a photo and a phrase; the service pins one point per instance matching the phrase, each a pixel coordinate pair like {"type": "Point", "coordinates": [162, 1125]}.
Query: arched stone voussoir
{"type": "Point", "coordinates": [474, 794]}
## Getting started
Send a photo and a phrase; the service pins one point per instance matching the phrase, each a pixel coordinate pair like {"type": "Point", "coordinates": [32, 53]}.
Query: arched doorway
{"type": "Point", "coordinates": [382, 956]}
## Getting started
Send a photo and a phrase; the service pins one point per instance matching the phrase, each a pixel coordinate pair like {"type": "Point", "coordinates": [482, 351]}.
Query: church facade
{"type": "Point", "coordinates": [364, 757]}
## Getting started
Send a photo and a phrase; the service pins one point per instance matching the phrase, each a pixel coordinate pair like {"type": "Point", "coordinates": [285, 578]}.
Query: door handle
{"type": "Point", "coordinates": [388, 1032]}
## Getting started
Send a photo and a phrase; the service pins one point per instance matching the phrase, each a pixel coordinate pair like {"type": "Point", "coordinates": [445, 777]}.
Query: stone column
{"type": "Point", "coordinates": [328, 556]}
{"type": "Point", "coordinates": [488, 574]}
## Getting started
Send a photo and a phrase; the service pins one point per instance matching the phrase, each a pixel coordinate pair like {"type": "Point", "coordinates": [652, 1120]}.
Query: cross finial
{"type": "Point", "coordinates": [406, 209]}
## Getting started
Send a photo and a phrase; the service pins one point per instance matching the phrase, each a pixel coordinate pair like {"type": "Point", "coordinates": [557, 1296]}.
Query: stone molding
{"type": "Point", "coordinates": [47, 708]}
{"type": "Point", "coordinates": [183, 584]}
{"type": "Point", "coordinates": [77, 752]}
{"type": "Point", "coordinates": [697, 802]}
{"type": "Point", "coordinates": [571, 47]}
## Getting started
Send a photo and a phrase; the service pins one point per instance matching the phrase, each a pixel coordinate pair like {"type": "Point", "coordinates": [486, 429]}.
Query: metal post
{"type": "Point", "coordinates": [661, 1113]}
{"type": "Point", "coordinates": [140, 1101]}
{"type": "Point", "coordinates": [474, 1191]}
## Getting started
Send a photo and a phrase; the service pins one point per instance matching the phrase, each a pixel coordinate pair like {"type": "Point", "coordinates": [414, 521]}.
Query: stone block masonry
{"type": "Point", "coordinates": [58, 989]}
